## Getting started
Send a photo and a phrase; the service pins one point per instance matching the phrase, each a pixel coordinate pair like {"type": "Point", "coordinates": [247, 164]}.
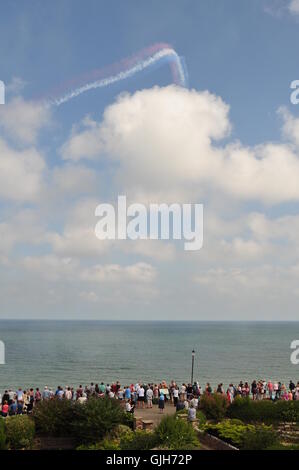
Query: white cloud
{"type": "Point", "coordinates": [169, 134]}
{"type": "Point", "coordinates": [21, 173]}
{"type": "Point", "coordinates": [290, 128]}
{"type": "Point", "coordinates": [139, 272]}
{"type": "Point", "coordinates": [22, 120]}
{"type": "Point", "coordinates": [73, 179]}
{"type": "Point", "coordinates": [84, 143]}
{"type": "Point", "coordinates": [51, 267]}
{"type": "Point", "coordinates": [294, 7]}
{"type": "Point", "coordinates": [15, 86]}
{"type": "Point", "coordinates": [166, 143]}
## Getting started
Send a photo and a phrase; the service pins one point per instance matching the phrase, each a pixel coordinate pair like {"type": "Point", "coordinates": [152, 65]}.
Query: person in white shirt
{"type": "Point", "coordinates": [191, 414]}
{"type": "Point", "coordinates": [129, 407]}
{"type": "Point", "coordinates": [175, 394]}
{"type": "Point", "coordinates": [149, 397]}
{"type": "Point", "coordinates": [140, 393]}
{"type": "Point", "coordinates": [183, 392]}
{"type": "Point", "coordinates": [82, 399]}
{"type": "Point", "coordinates": [194, 403]}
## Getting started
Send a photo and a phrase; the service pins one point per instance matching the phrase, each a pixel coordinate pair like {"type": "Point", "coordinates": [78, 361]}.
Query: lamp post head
{"type": "Point", "coordinates": [193, 353]}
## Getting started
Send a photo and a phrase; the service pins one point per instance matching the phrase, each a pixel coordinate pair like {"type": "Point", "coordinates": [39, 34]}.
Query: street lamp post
{"type": "Point", "coordinates": [192, 369]}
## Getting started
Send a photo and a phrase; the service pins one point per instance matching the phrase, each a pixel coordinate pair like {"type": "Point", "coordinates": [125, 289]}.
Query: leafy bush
{"type": "Point", "coordinates": [96, 418]}
{"type": "Point", "coordinates": [265, 411]}
{"type": "Point", "coordinates": [238, 422]}
{"type": "Point", "coordinates": [122, 431]}
{"type": "Point", "coordinates": [105, 444]}
{"type": "Point", "coordinates": [260, 438]}
{"type": "Point", "coordinates": [3, 445]}
{"type": "Point", "coordinates": [182, 412]}
{"type": "Point", "coordinates": [279, 446]}
{"type": "Point", "coordinates": [139, 440]}
{"type": "Point", "coordinates": [53, 417]}
{"type": "Point", "coordinates": [172, 433]}
{"type": "Point", "coordinates": [244, 436]}
{"type": "Point", "coordinates": [201, 417]}
{"type": "Point", "coordinates": [88, 422]}
{"type": "Point", "coordinates": [176, 434]}
{"type": "Point", "coordinates": [214, 406]}
{"type": "Point", "coordinates": [89, 446]}
{"type": "Point", "coordinates": [231, 433]}
{"type": "Point", "coordinates": [20, 431]}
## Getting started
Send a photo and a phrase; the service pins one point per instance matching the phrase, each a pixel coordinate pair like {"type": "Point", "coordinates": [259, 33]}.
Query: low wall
{"type": "Point", "coordinates": [214, 443]}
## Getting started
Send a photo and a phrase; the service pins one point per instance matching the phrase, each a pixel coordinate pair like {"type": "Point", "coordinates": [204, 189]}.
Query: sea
{"type": "Point", "coordinates": [41, 352]}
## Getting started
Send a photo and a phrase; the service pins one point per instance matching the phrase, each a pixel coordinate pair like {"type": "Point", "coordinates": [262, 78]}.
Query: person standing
{"type": "Point", "coordinates": [149, 397]}
{"type": "Point", "coordinates": [140, 393]}
{"type": "Point", "coordinates": [161, 402]}
{"type": "Point", "coordinates": [254, 389]}
{"type": "Point", "coordinates": [175, 394]}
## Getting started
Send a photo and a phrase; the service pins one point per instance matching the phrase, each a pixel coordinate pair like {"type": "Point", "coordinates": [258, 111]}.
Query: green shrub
{"type": "Point", "coordinates": [106, 444]}
{"type": "Point", "coordinates": [265, 411]}
{"type": "Point", "coordinates": [109, 444]}
{"type": "Point", "coordinates": [3, 445]}
{"type": "Point", "coordinates": [53, 417]}
{"type": "Point", "coordinates": [175, 433]}
{"type": "Point", "coordinates": [139, 440]}
{"type": "Point", "coordinates": [122, 431]}
{"type": "Point", "coordinates": [201, 417]}
{"type": "Point", "coordinates": [260, 438]}
{"type": "Point", "coordinates": [96, 418]}
{"type": "Point", "coordinates": [182, 412]}
{"type": "Point", "coordinates": [96, 446]}
{"type": "Point", "coordinates": [244, 436]}
{"type": "Point", "coordinates": [20, 431]}
{"type": "Point", "coordinates": [231, 433]}
{"type": "Point", "coordinates": [88, 422]}
{"type": "Point", "coordinates": [214, 406]}
{"type": "Point", "coordinates": [238, 422]}
{"type": "Point", "coordinates": [280, 446]}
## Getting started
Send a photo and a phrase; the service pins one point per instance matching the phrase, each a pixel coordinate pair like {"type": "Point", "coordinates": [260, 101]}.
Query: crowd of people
{"type": "Point", "coordinates": [140, 395]}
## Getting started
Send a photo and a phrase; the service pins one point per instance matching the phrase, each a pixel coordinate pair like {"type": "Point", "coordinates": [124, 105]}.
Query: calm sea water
{"type": "Point", "coordinates": [49, 353]}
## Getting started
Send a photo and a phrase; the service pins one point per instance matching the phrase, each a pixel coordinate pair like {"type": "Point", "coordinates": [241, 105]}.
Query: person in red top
{"type": "Point", "coordinates": [5, 409]}
{"type": "Point", "coordinates": [38, 395]}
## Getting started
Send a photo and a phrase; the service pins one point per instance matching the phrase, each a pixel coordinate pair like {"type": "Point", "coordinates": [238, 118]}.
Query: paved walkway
{"type": "Point", "coordinates": [154, 413]}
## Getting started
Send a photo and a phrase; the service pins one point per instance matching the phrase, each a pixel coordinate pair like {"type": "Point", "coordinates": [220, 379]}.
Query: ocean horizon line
{"type": "Point", "coordinates": [142, 321]}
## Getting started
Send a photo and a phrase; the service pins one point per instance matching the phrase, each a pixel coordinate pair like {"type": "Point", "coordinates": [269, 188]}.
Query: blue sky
{"type": "Point", "coordinates": [241, 54]}
{"type": "Point", "coordinates": [234, 49]}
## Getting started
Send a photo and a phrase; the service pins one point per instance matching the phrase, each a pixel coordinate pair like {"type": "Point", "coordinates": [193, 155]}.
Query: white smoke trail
{"type": "Point", "coordinates": [143, 64]}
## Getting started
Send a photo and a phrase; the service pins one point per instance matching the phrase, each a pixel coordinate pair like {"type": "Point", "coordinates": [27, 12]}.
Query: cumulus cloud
{"type": "Point", "coordinates": [21, 173]}
{"type": "Point", "coordinates": [22, 120]}
{"type": "Point", "coordinates": [73, 179]}
{"type": "Point", "coordinates": [290, 128]}
{"type": "Point", "coordinates": [84, 142]}
{"type": "Point", "coordinates": [159, 145]}
{"type": "Point", "coordinates": [53, 268]}
{"type": "Point", "coordinates": [171, 134]}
